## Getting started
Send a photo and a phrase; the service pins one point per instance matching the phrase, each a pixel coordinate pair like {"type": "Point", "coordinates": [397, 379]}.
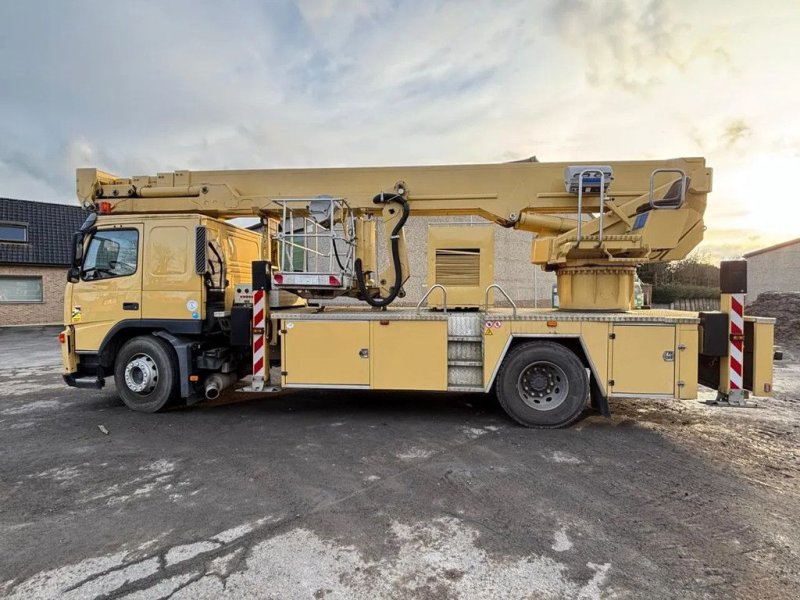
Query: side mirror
{"type": "Point", "coordinates": [74, 274]}
{"type": "Point", "coordinates": [88, 224]}
{"type": "Point", "coordinates": [77, 249]}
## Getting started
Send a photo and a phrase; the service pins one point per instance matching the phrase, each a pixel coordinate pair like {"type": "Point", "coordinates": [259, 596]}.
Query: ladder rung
{"type": "Point", "coordinates": [465, 338]}
{"type": "Point", "coordinates": [465, 388]}
{"type": "Point", "coordinates": [465, 363]}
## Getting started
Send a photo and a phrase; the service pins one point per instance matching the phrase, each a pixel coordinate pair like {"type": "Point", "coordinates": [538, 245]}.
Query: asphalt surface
{"type": "Point", "coordinates": [359, 495]}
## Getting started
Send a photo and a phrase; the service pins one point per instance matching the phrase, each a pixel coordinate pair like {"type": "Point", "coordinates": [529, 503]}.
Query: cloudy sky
{"type": "Point", "coordinates": [137, 87]}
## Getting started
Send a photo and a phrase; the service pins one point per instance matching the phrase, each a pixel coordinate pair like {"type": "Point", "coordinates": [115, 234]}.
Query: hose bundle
{"type": "Point", "coordinates": [378, 302]}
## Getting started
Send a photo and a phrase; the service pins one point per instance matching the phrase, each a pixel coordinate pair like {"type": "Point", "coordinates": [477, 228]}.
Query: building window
{"type": "Point", "coordinates": [13, 232]}
{"type": "Point", "coordinates": [15, 289]}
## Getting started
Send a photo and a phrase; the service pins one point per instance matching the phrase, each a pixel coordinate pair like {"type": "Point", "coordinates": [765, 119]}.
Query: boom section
{"type": "Point", "coordinates": [498, 192]}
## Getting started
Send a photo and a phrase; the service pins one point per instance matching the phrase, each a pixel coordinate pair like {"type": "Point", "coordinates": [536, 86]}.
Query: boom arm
{"type": "Point", "coordinates": [631, 228]}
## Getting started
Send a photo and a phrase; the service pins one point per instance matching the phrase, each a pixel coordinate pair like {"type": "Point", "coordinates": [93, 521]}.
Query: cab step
{"type": "Point", "coordinates": [90, 383]}
{"type": "Point", "coordinates": [465, 388]}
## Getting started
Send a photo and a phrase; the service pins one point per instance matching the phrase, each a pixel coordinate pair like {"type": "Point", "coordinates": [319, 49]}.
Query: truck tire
{"type": "Point", "coordinates": [542, 384]}
{"type": "Point", "coordinates": [146, 375]}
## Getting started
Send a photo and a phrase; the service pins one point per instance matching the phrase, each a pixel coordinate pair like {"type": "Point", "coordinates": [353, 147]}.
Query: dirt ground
{"type": "Point", "coordinates": [359, 495]}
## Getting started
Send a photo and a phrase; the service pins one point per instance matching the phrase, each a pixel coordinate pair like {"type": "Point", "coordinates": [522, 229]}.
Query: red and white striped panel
{"type": "Point", "coordinates": [736, 342]}
{"type": "Point", "coordinates": [259, 333]}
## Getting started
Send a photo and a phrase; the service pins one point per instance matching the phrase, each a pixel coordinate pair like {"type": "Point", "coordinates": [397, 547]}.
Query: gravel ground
{"type": "Point", "coordinates": [358, 495]}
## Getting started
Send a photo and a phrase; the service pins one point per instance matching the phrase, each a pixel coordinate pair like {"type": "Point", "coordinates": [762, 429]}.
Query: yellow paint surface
{"type": "Point", "coordinates": [326, 352]}
{"type": "Point", "coordinates": [409, 355]}
{"type": "Point", "coordinates": [763, 350]}
{"type": "Point", "coordinates": [595, 340]}
{"type": "Point", "coordinates": [638, 365]}
{"type": "Point", "coordinates": [688, 338]}
{"type": "Point", "coordinates": [170, 285]}
{"type": "Point", "coordinates": [100, 301]}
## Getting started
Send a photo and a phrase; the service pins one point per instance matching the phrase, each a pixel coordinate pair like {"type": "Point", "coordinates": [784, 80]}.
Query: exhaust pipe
{"type": "Point", "coordinates": [217, 382]}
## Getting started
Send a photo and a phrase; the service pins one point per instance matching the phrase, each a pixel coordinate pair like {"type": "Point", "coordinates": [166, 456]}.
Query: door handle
{"type": "Point", "coordinates": [130, 306]}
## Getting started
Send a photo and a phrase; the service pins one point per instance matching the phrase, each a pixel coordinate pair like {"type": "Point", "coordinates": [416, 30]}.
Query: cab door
{"type": "Point", "coordinates": [171, 288]}
{"type": "Point", "coordinates": [110, 286]}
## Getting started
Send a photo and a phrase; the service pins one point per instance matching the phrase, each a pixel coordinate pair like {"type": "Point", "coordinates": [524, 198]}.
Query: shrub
{"type": "Point", "coordinates": [664, 294]}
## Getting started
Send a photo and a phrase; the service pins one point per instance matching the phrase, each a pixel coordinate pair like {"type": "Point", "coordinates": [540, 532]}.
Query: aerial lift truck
{"type": "Point", "coordinates": [175, 302]}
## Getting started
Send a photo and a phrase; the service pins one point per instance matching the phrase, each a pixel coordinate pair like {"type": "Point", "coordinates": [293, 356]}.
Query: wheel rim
{"type": "Point", "coordinates": [543, 386]}
{"type": "Point", "coordinates": [141, 374]}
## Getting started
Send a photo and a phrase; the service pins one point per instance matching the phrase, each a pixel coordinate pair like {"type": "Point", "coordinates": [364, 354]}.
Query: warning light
{"type": "Point", "coordinates": [552, 323]}
{"type": "Point", "coordinates": [104, 207]}
{"type": "Point", "coordinates": [333, 280]}
{"type": "Point", "coordinates": [194, 378]}
{"type": "Point", "coordinates": [278, 278]}
{"type": "Point", "coordinates": [62, 338]}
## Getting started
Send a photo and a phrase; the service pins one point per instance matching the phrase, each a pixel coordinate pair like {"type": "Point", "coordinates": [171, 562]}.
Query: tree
{"type": "Point", "coordinates": [695, 269]}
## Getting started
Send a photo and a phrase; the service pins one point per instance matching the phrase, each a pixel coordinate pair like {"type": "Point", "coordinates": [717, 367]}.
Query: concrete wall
{"type": "Point", "coordinates": [774, 271]}
{"type": "Point", "coordinates": [527, 284]}
{"type": "Point", "coordinates": [50, 310]}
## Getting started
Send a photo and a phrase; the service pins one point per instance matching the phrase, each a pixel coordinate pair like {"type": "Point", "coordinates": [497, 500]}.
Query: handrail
{"type": "Point", "coordinates": [428, 293]}
{"type": "Point", "coordinates": [602, 203]}
{"type": "Point", "coordinates": [683, 187]}
{"type": "Point", "coordinates": [502, 291]}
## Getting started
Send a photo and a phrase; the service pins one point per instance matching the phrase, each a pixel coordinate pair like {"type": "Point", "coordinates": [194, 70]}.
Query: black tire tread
{"type": "Point", "coordinates": [165, 358]}
{"type": "Point", "coordinates": [558, 354]}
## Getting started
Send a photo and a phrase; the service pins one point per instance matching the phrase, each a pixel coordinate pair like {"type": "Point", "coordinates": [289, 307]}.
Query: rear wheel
{"type": "Point", "coordinates": [542, 384]}
{"type": "Point", "coordinates": [145, 374]}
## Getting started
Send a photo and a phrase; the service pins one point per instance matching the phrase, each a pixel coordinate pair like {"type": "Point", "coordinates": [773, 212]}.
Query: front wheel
{"type": "Point", "coordinates": [145, 374]}
{"type": "Point", "coordinates": [542, 384]}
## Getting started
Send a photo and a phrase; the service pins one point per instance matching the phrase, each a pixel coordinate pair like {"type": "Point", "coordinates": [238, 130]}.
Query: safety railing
{"type": "Point", "coordinates": [428, 293]}
{"type": "Point", "coordinates": [497, 287]}
{"type": "Point", "coordinates": [602, 203]}
{"type": "Point", "coordinates": [317, 236]}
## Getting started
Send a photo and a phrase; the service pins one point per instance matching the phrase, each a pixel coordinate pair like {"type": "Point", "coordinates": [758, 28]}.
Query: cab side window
{"type": "Point", "coordinates": [111, 253]}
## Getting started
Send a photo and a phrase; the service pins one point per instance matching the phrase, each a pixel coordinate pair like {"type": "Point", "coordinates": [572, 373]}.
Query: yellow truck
{"type": "Point", "coordinates": [175, 302]}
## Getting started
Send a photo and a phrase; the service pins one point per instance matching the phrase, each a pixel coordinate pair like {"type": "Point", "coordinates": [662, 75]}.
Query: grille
{"type": "Point", "coordinates": [458, 266]}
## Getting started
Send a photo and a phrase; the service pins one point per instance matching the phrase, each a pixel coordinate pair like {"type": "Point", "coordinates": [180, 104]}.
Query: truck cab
{"type": "Point", "coordinates": [157, 289]}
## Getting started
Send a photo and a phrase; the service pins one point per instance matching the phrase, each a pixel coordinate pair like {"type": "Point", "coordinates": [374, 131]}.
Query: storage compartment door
{"type": "Point", "coordinates": [326, 353]}
{"type": "Point", "coordinates": [643, 359]}
{"type": "Point", "coordinates": [409, 355]}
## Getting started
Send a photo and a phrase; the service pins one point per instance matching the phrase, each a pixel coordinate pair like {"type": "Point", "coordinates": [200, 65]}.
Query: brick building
{"type": "Point", "coordinates": [35, 240]}
{"type": "Point", "coordinates": [773, 269]}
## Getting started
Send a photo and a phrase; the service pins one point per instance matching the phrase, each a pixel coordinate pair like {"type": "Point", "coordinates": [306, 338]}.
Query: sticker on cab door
{"type": "Point", "coordinates": [76, 314]}
{"type": "Point", "coordinates": [191, 306]}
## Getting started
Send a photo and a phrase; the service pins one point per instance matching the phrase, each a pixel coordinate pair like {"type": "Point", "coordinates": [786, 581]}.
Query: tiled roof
{"type": "Point", "coordinates": [50, 230]}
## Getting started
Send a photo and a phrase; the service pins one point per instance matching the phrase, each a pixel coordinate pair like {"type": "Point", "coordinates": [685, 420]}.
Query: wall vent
{"type": "Point", "coordinates": [458, 267]}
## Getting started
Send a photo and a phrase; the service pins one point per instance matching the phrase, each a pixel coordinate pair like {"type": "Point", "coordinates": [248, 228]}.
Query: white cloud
{"type": "Point", "coordinates": [140, 87]}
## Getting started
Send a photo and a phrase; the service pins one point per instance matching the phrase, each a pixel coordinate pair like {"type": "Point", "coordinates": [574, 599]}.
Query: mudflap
{"type": "Point", "coordinates": [598, 400]}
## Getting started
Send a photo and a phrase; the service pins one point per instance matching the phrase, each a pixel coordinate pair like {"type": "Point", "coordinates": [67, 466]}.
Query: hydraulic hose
{"type": "Point", "coordinates": [395, 245]}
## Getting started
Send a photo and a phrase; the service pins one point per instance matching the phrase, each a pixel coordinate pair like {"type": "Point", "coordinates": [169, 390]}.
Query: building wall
{"type": "Point", "coordinates": [526, 283]}
{"type": "Point", "coordinates": [50, 310]}
{"type": "Point", "coordinates": [774, 271]}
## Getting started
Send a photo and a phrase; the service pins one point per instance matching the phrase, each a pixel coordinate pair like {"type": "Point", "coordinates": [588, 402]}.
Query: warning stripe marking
{"type": "Point", "coordinates": [259, 310]}
{"type": "Point", "coordinates": [736, 347]}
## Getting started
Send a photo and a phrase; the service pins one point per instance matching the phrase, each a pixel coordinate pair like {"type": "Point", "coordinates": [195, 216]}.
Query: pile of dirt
{"type": "Point", "coordinates": [785, 308]}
